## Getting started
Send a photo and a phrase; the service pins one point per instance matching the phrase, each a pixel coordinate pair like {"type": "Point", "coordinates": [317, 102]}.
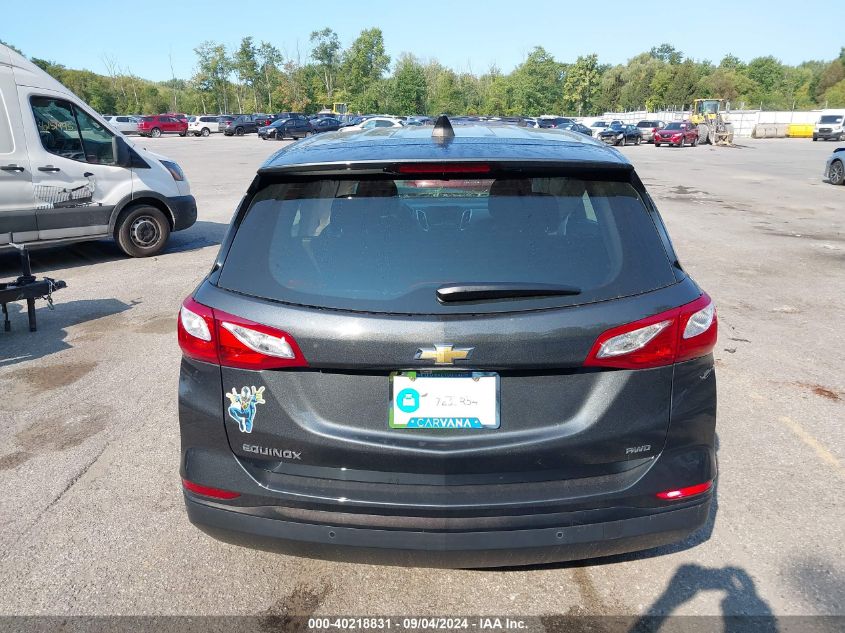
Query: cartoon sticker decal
{"type": "Point", "coordinates": [243, 407]}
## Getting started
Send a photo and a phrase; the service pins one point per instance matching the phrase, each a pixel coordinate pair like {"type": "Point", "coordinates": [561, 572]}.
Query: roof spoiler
{"type": "Point", "coordinates": [443, 128]}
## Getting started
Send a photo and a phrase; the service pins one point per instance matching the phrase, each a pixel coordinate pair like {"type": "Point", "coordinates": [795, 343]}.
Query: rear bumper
{"type": "Point", "coordinates": [494, 548]}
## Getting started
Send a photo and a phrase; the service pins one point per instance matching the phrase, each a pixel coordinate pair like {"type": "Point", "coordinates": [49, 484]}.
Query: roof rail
{"type": "Point", "coordinates": [443, 128]}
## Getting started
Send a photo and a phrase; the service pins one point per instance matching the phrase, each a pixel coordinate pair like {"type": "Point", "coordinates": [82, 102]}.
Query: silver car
{"type": "Point", "coordinates": [123, 123]}
{"type": "Point", "coordinates": [647, 128]}
{"type": "Point", "coordinates": [834, 169]}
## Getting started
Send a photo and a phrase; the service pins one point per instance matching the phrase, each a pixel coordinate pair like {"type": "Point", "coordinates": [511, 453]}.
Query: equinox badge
{"type": "Point", "coordinates": [443, 354]}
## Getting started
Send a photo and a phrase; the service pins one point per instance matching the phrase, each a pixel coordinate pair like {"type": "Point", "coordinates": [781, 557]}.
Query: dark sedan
{"type": "Point", "coordinates": [325, 124]}
{"type": "Point", "coordinates": [621, 134]}
{"type": "Point", "coordinates": [575, 127]}
{"type": "Point", "coordinates": [550, 122]}
{"type": "Point", "coordinates": [295, 126]}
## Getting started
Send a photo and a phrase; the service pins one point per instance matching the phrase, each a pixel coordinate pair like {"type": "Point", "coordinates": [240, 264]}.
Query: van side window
{"type": "Point", "coordinates": [69, 132]}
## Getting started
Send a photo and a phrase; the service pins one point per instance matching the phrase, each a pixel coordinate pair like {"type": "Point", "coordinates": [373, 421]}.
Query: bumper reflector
{"type": "Point", "coordinates": [683, 493]}
{"type": "Point", "coordinates": [206, 491]}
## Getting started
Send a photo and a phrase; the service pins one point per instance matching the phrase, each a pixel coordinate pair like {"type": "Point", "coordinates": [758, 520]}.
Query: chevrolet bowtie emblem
{"type": "Point", "coordinates": [443, 354]}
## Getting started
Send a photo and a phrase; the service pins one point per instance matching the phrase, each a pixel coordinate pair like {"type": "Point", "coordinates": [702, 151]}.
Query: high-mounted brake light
{"type": "Point", "coordinates": [214, 336]}
{"type": "Point", "coordinates": [673, 336]}
{"type": "Point", "coordinates": [683, 493]}
{"type": "Point", "coordinates": [208, 491]}
{"type": "Point", "coordinates": [444, 168]}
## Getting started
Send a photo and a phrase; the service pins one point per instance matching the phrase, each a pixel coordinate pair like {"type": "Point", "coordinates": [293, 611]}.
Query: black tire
{"type": "Point", "coordinates": [183, 134]}
{"type": "Point", "coordinates": [836, 173]}
{"type": "Point", "coordinates": [694, 141]}
{"type": "Point", "coordinates": [815, 138]}
{"type": "Point", "coordinates": [683, 141]}
{"type": "Point", "coordinates": [637, 141]}
{"type": "Point", "coordinates": [142, 231]}
{"type": "Point", "coordinates": [239, 131]}
{"type": "Point", "coordinates": [205, 131]}
{"type": "Point", "coordinates": [155, 132]}
{"type": "Point", "coordinates": [656, 144]}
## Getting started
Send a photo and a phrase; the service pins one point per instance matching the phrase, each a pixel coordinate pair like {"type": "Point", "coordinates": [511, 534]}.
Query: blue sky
{"type": "Point", "coordinates": [143, 36]}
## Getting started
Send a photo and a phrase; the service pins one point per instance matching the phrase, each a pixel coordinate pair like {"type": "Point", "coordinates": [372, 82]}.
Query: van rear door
{"type": "Point", "coordinates": [17, 204]}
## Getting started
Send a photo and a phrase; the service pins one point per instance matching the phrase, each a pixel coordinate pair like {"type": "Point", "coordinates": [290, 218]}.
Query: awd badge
{"type": "Point", "coordinates": [243, 407]}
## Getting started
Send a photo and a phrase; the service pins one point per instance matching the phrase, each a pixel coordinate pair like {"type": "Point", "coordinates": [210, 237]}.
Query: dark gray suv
{"type": "Point", "coordinates": [452, 348]}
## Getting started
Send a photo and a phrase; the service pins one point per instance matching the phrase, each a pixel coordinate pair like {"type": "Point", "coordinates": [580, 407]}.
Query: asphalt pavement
{"type": "Point", "coordinates": [91, 513]}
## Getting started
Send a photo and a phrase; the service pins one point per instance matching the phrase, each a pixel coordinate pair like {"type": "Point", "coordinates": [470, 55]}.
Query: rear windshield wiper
{"type": "Point", "coordinates": [480, 291]}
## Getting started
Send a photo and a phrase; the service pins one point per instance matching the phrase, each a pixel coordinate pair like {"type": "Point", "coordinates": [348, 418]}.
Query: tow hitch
{"type": "Point", "coordinates": [27, 288]}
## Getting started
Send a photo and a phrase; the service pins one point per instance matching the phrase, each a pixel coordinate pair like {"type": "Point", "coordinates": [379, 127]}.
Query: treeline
{"type": "Point", "coordinates": [259, 77]}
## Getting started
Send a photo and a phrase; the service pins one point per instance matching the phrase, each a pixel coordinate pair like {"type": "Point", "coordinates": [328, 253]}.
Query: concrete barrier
{"type": "Point", "coordinates": [770, 130]}
{"type": "Point", "coordinates": [800, 130]}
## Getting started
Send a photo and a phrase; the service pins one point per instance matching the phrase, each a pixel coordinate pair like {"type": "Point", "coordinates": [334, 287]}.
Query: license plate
{"type": "Point", "coordinates": [444, 400]}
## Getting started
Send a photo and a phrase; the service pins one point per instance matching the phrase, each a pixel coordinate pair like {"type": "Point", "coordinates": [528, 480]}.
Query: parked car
{"type": "Point", "coordinates": [598, 127]}
{"type": "Point", "coordinates": [372, 123]}
{"type": "Point", "coordinates": [352, 120]}
{"type": "Point", "coordinates": [67, 176]}
{"type": "Point", "coordinates": [223, 121]}
{"type": "Point", "coordinates": [834, 170]}
{"type": "Point", "coordinates": [678, 133]}
{"type": "Point", "coordinates": [327, 124]}
{"type": "Point", "coordinates": [558, 404]}
{"type": "Point", "coordinates": [648, 128]}
{"type": "Point", "coordinates": [830, 126]}
{"type": "Point", "coordinates": [618, 133]}
{"type": "Point", "coordinates": [203, 125]}
{"type": "Point", "coordinates": [238, 126]}
{"type": "Point", "coordinates": [123, 123]}
{"type": "Point", "coordinates": [575, 127]}
{"type": "Point", "coordinates": [547, 122]}
{"type": "Point", "coordinates": [293, 124]}
{"type": "Point", "coordinates": [155, 126]}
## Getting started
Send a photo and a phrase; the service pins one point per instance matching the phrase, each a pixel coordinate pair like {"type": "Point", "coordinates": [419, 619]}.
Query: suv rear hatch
{"type": "Point", "coordinates": [496, 285]}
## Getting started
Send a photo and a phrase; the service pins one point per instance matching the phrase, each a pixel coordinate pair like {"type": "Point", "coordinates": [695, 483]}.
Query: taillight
{"type": "Point", "coordinates": [196, 331]}
{"type": "Point", "coordinates": [673, 336]}
{"type": "Point", "coordinates": [683, 493]}
{"type": "Point", "coordinates": [217, 337]}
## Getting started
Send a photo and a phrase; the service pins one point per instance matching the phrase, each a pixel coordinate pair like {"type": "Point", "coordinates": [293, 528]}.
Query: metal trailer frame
{"type": "Point", "coordinates": [27, 288]}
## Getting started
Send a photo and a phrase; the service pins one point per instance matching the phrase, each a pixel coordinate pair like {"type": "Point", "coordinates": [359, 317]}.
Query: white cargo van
{"type": "Point", "coordinates": [67, 175]}
{"type": "Point", "coordinates": [829, 126]}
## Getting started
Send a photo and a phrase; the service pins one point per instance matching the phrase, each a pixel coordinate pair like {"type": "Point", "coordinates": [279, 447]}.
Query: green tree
{"type": "Point", "coordinates": [326, 53]}
{"type": "Point", "coordinates": [245, 66]}
{"type": "Point", "coordinates": [834, 97]}
{"type": "Point", "coordinates": [408, 88]}
{"type": "Point", "coordinates": [538, 84]}
{"type": "Point", "coordinates": [582, 84]}
{"type": "Point", "coordinates": [269, 59]}
{"type": "Point", "coordinates": [364, 64]}
{"type": "Point", "coordinates": [213, 70]}
{"type": "Point", "coordinates": [667, 53]}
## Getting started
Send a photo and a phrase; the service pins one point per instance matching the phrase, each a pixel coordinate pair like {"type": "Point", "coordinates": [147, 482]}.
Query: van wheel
{"type": "Point", "coordinates": [155, 132]}
{"type": "Point", "coordinates": [239, 131]}
{"type": "Point", "coordinates": [183, 134]}
{"type": "Point", "coordinates": [142, 231]}
{"type": "Point", "coordinates": [205, 131]}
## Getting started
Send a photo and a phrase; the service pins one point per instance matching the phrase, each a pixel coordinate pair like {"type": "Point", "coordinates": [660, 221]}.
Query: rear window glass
{"type": "Point", "coordinates": [387, 245]}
